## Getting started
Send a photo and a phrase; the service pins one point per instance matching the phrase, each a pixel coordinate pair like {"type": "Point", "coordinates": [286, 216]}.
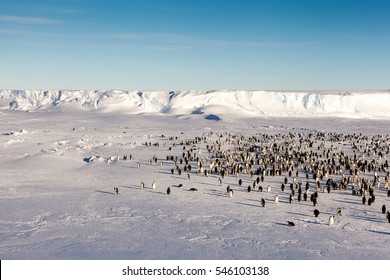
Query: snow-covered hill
{"type": "Point", "coordinates": [367, 104]}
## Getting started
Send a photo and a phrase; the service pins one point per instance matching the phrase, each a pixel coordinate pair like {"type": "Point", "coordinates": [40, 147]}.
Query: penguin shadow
{"type": "Point", "coordinates": [299, 214]}
{"type": "Point", "coordinates": [218, 193]}
{"type": "Point", "coordinates": [282, 224]}
{"type": "Point", "coordinates": [348, 202]}
{"type": "Point", "coordinates": [375, 220]}
{"type": "Point", "coordinates": [104, 192]}
{"type": "Point", "coordinates": [250, 205]}
{"type": "Point", "coordinates": [379, 232]}
{"type": "Point", "coordinates": [131, 187]}
{"type": "Point", "coordinates": [154, 192]}
{"type": "Point", "coordinates": [130, 167]}
{"type": "Point", "coordinates": [312, 222]}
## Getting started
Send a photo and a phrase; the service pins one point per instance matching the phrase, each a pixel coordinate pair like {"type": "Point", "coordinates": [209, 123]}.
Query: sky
{"type": "Point", "coordinates": [195, 45]}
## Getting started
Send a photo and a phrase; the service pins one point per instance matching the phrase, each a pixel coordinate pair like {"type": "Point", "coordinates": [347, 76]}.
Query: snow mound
{"type": "Point", "coordinates": [365, 104]}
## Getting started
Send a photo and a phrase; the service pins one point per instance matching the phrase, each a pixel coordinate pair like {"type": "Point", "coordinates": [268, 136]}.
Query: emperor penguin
{"type": "Point", "coordinates": [331, 220]}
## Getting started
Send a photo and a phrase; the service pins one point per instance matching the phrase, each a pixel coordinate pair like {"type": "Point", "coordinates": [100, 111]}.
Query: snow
{"type": "Point", "coordinates": [62, 158]}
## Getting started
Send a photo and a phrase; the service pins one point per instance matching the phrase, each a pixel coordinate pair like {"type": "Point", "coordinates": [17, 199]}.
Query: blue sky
{"type": "Point", "coordinates": [182, 45]}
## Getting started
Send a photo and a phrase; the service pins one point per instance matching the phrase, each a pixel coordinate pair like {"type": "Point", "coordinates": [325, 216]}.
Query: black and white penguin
{"type": "Point", "coordinates": [154, 185]}
{"type": "Point", "coordinates": [291, 199]}
{"type": "Point", "coordinates": [168, 191]}
{"type": "Point", "coordinates": [291, 224]}
{"type": "Point", "coordinates": [384, 209]}
{"type": "Point", "coordinates": [188, 176]}
{"type": "Point", "coordinates": [282, 187]}
{"type": "Point", "coordinates": [369, 201]}
{"type": "Point", "coordinates": [249, 188]}
{"type": "Point", "coordinates": [263, 202]}
{"type": "Point", "coordinates": [388, 193]}
{"type": "Point", "coordinates": [240, 182]}
{"type": "Point", "coordinates": [314, 201]}
{"type": "Point", "coordinates": [305, 196]}
{"type": "Point", "coordinates": [194, 189]}
{"type": "Point", "coordinates": [228, 189]}
{"type": "Point", "coordinates": [269, 188]}
{"type": "Point", "coordinates": [260, 189]}
{"type": "Point", "coordinates": [316, 213]}
{"type": "Point", "coordinates": [116, 190]}
{"type": "Point", "coordinates": [276, 199]}
{"type": "Point", "coordinates": [230, 192]}
{"type": "Point", "coordinates": [142, 185]}
{"type": "Point", "coordinates": [364, 200]}
{"type": "Point", "coordinates": [388, 216]}
{"type": "Point", "coordinates": [331, 220]}
{"type": "Point", "coordinates": [338, 211]}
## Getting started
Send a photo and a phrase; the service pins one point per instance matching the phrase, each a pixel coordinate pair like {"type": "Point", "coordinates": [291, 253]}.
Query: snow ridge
{"type": "Point", "coordinates": [366, 104]}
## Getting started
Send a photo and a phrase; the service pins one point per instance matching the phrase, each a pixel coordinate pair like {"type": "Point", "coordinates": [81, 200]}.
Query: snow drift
{"type": "Point", "coordinates": [367, 104]}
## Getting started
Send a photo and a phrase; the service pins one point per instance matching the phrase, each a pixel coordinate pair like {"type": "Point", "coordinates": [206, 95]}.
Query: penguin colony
{"type": "Point", "coordinates": [314, 165]}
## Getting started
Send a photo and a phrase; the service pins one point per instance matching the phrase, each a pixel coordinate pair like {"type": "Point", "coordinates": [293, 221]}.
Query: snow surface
{"type": "Point", "coordinates": [354, 104]}
{"type": "Point", "coordinates": [61, 160]}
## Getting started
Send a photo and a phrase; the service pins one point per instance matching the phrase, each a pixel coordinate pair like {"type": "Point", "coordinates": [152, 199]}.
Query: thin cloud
{"type": "Point", "coordinates": [27, 20]}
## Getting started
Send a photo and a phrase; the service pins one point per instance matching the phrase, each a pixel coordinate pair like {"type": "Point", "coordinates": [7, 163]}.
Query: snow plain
{"type": "Point", "coordinates": [61, 156]}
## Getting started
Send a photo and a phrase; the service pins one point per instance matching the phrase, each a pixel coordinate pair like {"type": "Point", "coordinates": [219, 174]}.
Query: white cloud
{"type": "Point", "coordinates": [27, 20]}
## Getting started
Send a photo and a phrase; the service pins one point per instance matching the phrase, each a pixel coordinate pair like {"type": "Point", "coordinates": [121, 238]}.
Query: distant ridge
{"type": "Point", "coordinates": [351, 104]}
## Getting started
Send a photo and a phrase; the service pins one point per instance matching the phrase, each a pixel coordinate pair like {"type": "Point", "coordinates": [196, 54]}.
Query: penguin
{"type": "Point", "coordinates": [142, 185]}
{"type": "Point", "coordinates": [316, 213]}
{"type": "Point", "coordinates": [260, 189]}
{"type": "Point", "coordinates": [373, 198]}
{"type": "Point", "coordinates": [269, 188]}
{"type": "Point", "coordinates": [230, 192]}
{"type": "Point", "coordinates": [331, 220]}
{"type": "Point", "coordinates": [291, 224]}
{"type": "Point", "coordinates": [291, 199]}
{"type": "Point", "coordinates": [228, 189]}
{"type": "Point", "coordinates": [369, 201]}
{"type": "Point", "coordinates": [240, 182]}
{"type": "Point", "coordinates": [263, 202]}
{"type": "Point", "coordinates": [282, 187]}
{"type": "Point", "coordinates": [168, 191]}
{"type": "Point", "coordinates": [305, 196]}
{"type": "Point", "coordinates": [154, 185]}
{"type": "Point", "coordinates": [388, 193]}
{"type": "Point", "coordinates": [364, 200]}
{"type": "Point", "coordinates": [188, 176]}
{"type": "Point", "coordinates": [338, 211]}
{"type": "Point", "coordinates": [384, 209]}
{"type": "Point", "coordinates": [276, 199]}
{"type": "Point", "coordinates": [299, 197]}
{"type": "Point", "coordinates": [314, 201]}
{"type": "Point", "coordinates": [219, 182]}
{"type": "Point", "coordinates": [388, 216]}
{"type": "Point", "coordinates": [249, 188]}
{"type": "Point", "coordinates": [116, 190]}
{"type": "Point", "coordinates": [172, 171]}
{"type": "Point", "coordinates": [193, 189]}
